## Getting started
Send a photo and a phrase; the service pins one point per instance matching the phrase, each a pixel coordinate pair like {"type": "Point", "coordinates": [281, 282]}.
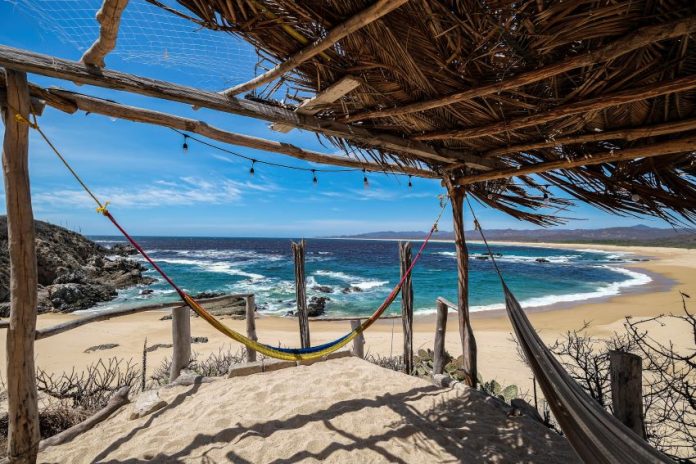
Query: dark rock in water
{"type": "Point", "coordinates": [352, 289]}
{"type": "Point", "coordinates": [290, 314]}
{"type": "Point", "coordinates": [199, 339]}
{"type": "Point", "coordinates": [317, 306]}
{"type": "Point", "coordinates": [105, 346]}
{"type": "Point", "coordinates": [323, 288]}
{"type": "Point", "coordinates": [542, 260]}
{"type": "Point", "coordinates": [73, 271]}
{"type": "Point", "coordinates": [203, 295]}
{"type": "Point", "coordinates": [616, 259]}
{"type": "Point", "coordinates": [498, 255]}
{"type": "Point", "coordinates": [123, 249]}
{"type": "Point", "coordinates": [482, 258]}
{"type": "Point", "coordinates": [146, 291]}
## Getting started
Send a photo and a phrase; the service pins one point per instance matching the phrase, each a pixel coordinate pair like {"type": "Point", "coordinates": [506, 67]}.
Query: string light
{"type": "Point", "coordinates": [547, 200]}
{"type": "Point", "coordinates": [366, 183]}
{"type": "Point", "coordinates": [410, 184]}
{"type": "Point", "coordinates": [185, 145]}
{"type": "Point", "coordinates": [251, 171]}
{"type": "Point", "coordinates": [315, 181]}
{"type": "Point", "coordinates": [634, 196]}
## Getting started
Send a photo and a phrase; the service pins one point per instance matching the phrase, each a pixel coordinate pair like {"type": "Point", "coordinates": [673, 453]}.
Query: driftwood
{"type": "Point", "coordinates": [22, 407]}
{"type": "Point", "coordinates": [70, 101]}
{"type": "Point", "coordinates": [466, 334]}
{"type": "Point", "coordinates": [370, 14]}
{"type": "Point", "coordinates": [109, 17]}
{"type": "Point", "coordinates": [119, 399]}
{"type": "Point", "coordinates": [251, 325]}
{"type": "Point", "coordinates": [407, 305]}
{"type": "Point", "coordinates": [440, 332]}
{"type": "Point", "coordinates": [77, 72]}
{"type": "Point", "coordinates": [633, 41]}
{"type": "Point", "coordinates": [359, 341]}
{"type": "Point", "coordinates": [105, 315]}
{"type": "Point", "coordinates": [298, 252]}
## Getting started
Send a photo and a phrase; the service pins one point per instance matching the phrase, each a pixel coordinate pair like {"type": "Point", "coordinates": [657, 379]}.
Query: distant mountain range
{"type": "Point", "coordinates": [634, 235]}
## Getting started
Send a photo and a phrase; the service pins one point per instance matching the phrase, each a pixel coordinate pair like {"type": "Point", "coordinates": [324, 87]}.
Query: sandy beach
{"type": "Point", "coordinates": [673, 270]}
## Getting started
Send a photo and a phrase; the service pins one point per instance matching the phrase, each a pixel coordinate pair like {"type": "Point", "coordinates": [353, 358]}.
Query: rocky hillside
{"type": "Point", "coordinates": [74, 272]}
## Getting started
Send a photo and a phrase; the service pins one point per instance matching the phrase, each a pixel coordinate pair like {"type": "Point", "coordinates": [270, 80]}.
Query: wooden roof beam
{"type": "Point", "coordinates": [77, 72]}
{"type": "Point", "coordinates": [365, 17]}
{"type": "Point", "coordinates": [312, 106]}
{"type": "Point", "coordinates": [628, 134]}
{"type": "Point", "coordinates": [626, 44]}
{"type": "Point", "coordinates": [680, 145]}
{"type": "Point", "coordinates": [592, 104]}
{"type": "Point", "coordinates": [109, 17]}
{"type": "Point", "coordinates": [131, 113]}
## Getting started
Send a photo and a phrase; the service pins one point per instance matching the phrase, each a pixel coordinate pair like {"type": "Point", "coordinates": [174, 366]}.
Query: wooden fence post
{"type": "Point", "coordinates": [298, 251]}
{"type": "Point", "coordinates": [251, 325]}
{"type": "Point", "coordinates": [22, 405]}
{"type": "Point", "coordinates": [181, 341]}
{"type": "Point", "coordinates": [440, 331]}
{"type": "Point", "coordinates": [359, 341]}
{"type": "Point", "coordinates": [466, 334]}
{"type": "Point", "coordinates": [407, 305]}
{"type": "Point", "coordinates": [627, 389]}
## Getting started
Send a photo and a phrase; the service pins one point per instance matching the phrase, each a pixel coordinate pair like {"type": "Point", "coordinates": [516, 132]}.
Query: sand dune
{"type": "Point", "coordinates": [343, 410]}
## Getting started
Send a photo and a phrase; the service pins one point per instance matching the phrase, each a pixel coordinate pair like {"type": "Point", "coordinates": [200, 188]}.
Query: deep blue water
{"type": "Point", "coordinates": [264, 267]}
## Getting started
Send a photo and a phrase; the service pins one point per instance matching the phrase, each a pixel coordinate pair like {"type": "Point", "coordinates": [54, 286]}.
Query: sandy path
{"type": "Point", "coordinates": [344, 410]}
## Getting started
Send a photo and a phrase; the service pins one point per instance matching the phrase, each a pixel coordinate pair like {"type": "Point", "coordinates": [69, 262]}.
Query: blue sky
{"type": "Point", "coordinates": [156, 188]}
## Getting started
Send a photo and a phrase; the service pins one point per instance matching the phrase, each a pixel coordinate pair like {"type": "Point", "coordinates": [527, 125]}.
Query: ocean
{"type": "Point", "coordinates": [357, 275]}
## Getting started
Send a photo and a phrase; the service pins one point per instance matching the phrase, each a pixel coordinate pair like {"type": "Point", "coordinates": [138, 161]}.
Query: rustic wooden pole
{"type": "Point", "coordinates": [181, 339]}
{"type": "Point", "coordinates": [359, 341]}
{"type": "Point", "coordinates": [465, 333]}
{"type": "Point", "coordinates": [298, 251]}
{"type": "Point", "coordinates": [626, 389]}
{"type": "Point", "coordinates": [22, 409]}
{"type": "Point", "coordinates": [407, 305]}
{"type": "Point", "coordinates": [251, 325]}
{"type": "Point", "coordinates": [440, 331]}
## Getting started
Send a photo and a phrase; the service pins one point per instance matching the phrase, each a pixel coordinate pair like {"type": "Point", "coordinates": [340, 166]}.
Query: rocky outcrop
{"type": "Point", "coordinates": [317, 306]}
{"type": "Point", "coordinates": [73, 272]}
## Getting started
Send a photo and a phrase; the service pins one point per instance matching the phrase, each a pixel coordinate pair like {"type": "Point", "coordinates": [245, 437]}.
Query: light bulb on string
{"type": "Point", "coordinates": [315, 181]}
{"type": "Point", "coordinates": [251, 171]}
{"type": "Point", "coordinates": [366, 183]}
{"type": "Point", "coordinates": [547, 200]}
{"type": "Point", "coordinates": [410, 183]}
{"type": "Point", "coordinates": [185, 145]}
{"type": "Point", "coordinates": [635, 196]}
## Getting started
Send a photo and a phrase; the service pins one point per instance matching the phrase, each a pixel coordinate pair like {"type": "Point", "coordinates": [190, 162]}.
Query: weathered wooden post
{"type": "Point", "coordinates": [407, 305]}
{"type": "Point", "coordinates": [181, 340]}
{"type": "Point", "coordinates": [359, 341]}
{"type": "Point", "coordinates": [440, 331]}
{"type": "Point", "coordinates": [251, 325]}
{"type": "Point", "coordinates": [22, 409]}
{"type": "Point", "coordinates": [627, 389]}
{"type": "Point", "coordinates": [466, 334]}
{"type": "Point", "coordinates": [298, 251]}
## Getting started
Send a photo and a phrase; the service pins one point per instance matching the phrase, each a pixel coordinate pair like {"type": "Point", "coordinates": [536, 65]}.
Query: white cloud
{"type": "Point", "coordinates": [187, 191]}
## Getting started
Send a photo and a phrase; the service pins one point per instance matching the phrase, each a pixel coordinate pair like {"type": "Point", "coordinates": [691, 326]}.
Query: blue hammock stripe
{"type": "Point", "coordinates": [310, 349]}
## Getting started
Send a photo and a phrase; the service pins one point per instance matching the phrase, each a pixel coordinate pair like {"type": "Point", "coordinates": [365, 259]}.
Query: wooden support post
{"type": "Point", "coordinates": [251, 325]}
{"type": "Point", "coordinates": [181, 340]}
{"type": "Point", "coordinates": [22, 407]}
{"type": "Point", "coordinates": [359, 341]}
{"type": "Point", "coordinates": [626, 389]}
{"type": "Point", "coordinates": [465, 333]}
{"type": "Point", "coordinates": [440, 331]}
{"type": "Point", "coordinates": [407, 305]}
{"type": "Point", "coordinates": [298, 251]}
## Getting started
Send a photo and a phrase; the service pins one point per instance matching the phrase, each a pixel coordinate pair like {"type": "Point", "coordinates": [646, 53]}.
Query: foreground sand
{"type": "Point", "coordinates": [343, 410]}
{"type": "Point", "coordinates": [674, 270]}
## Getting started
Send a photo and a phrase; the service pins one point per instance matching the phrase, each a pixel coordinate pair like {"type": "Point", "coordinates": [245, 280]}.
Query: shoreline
{"type": "Point", "coordinates": [675, 269]}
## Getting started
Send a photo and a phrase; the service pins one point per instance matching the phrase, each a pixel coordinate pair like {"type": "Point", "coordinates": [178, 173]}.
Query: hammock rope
{"type": "Point", "coordinates": [595, 435]}
{"type": "Point", "coordinates": [290, 354]}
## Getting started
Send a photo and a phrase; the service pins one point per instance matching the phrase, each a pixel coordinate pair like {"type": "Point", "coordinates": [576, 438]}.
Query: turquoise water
{"type": "Point", "coordinates": [371, 268]}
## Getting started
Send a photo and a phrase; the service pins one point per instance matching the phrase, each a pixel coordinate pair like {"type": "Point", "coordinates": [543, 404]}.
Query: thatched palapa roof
{"type": "Point", "coordinates": [601, 92]}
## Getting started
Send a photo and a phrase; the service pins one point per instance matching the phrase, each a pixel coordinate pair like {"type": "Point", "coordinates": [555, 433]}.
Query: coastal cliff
{"type": "Point", "coordinates": [73, 272]}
